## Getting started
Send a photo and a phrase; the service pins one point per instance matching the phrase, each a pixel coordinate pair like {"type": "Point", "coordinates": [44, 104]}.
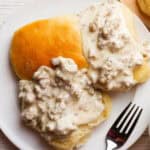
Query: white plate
{"type": "Point", "coordinates": [10, 122]}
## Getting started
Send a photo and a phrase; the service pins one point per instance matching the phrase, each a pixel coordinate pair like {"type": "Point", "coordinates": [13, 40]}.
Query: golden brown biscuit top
{"type": "Point", "coordinates": [37, 43]}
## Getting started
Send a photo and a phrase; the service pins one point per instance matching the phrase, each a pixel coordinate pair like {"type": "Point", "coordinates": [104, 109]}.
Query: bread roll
{"type": "Point", "coordinates": [37, 43]}
{"type": "Point", "coordinates": [133, 5]}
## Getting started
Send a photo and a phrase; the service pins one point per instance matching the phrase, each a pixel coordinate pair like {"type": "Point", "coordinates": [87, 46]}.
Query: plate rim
{"type": "Point", "coordinates": [2, 127]}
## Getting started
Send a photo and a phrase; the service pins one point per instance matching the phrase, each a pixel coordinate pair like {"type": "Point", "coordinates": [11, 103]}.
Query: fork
{"type": "Point", "coordinates": [123, 127]}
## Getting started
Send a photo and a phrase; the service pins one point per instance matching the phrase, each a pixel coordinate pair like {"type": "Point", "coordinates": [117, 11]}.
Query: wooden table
{"type": "Point", "coordinates": [6, 7]}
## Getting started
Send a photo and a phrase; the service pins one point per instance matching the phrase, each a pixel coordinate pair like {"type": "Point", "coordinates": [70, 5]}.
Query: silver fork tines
{"type": "Point", "coordinates": [123, 127]}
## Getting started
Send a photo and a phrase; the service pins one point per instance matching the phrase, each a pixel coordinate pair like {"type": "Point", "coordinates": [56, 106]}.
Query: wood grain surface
{"type": "Point", "coordinates": [6, 7]}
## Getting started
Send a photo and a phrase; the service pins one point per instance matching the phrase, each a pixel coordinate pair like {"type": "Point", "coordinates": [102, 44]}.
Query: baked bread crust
{"type": "Point", "coordinates": [37, 43]}
{"type": "Point", "coordinates": [132, 4]}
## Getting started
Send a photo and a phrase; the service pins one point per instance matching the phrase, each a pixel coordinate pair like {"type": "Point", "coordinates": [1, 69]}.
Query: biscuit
{"type": "Point", "coordinates": [37, 43]}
